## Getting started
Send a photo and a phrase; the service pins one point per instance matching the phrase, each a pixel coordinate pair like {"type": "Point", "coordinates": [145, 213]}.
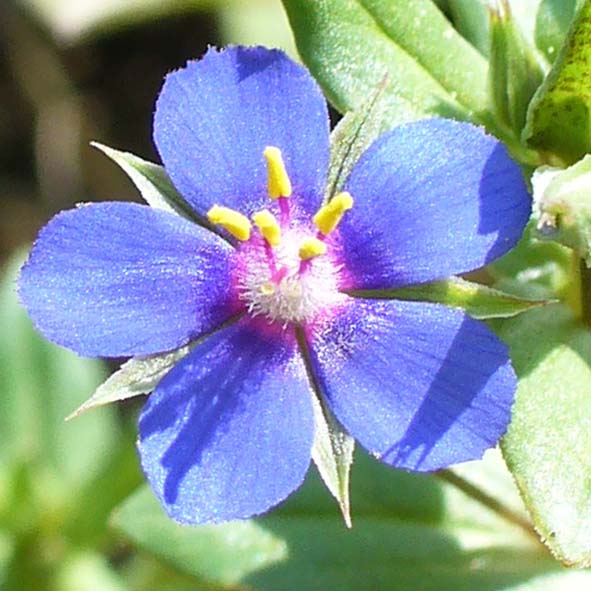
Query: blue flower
{"type": "Point", "coordinates": [284, 294]}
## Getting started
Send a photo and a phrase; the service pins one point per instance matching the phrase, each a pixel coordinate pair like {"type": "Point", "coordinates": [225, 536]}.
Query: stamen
{"type": "Point", "coordinates": [267, 224]}
{"type": "Point", "coordinates": [327, 218]}
{"type": "Point", "coordinates": [237, 224]}
{"type": "Point", "coordinates": [310, 248]}
{"type": "Point", "coordinates": [284, 213]}
{"type": "Point", "coordinates": [278, 183]}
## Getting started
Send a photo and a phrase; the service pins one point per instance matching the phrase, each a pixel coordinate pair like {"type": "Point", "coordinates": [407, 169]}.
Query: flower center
{"type": "Point", "coordinates": [288, 271]}
{"type": "Point", "coordinates": [279, 284]}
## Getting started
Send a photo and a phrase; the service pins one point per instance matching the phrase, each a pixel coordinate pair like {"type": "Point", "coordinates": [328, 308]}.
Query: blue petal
{"type": "Point", "coordinates": [228, 432]}
{"type": "Point", "coordinates": [420, 385]}
{"type": "Point", "coordinates": [120, 279]}
{"type": "Point", "coordinates": [215, 117]}
{"type": "Point", "coordinates": [432, 199]}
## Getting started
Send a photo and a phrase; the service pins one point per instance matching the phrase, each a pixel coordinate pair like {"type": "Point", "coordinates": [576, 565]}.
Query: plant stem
{"type": "Point", "coordinates": [488, 501]}
{"type": "Point", "coordinates": [585, 274]}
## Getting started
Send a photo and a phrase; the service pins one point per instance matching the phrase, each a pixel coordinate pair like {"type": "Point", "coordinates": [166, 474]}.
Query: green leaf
{"type": "Point", "coordinates": [559, 116]}
{"type": "Point", "coordinates": [135, 377]}
{"type": "Point", "coordinates": [87, 571]}
{"type": "Point", "coordinates": [117, 479]}
{"type": "Point", "coordinates": [379, 555]}
{"type": "Point", "coordinates": [477, 300]}
{"type": "Point", "coordinates": [39, 384]}
{"type": "Point", "coordinates": [350, 45]}
{"type": "Point", "coordinates": [410, 532]}
{"type": "Point", "coordinates": [471, 20]}
{"type": "Point", "coordinates": [6, 552]}
{"type": "Point", "coordinates": [350, 138]}
{"type": "Point", "coordinates": [553, 21]}
{"type": "Point", "coordinates": [224, 554]}
{"type": "Point", "coordinates": [548, 445]}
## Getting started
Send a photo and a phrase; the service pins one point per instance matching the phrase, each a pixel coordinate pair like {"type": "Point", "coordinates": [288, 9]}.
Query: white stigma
{"type": "Point", "coordinates": [289, 292]}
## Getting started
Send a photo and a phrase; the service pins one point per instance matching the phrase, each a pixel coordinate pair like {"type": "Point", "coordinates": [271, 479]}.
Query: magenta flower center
{"type": "Point", "coordinates": [277, 283]}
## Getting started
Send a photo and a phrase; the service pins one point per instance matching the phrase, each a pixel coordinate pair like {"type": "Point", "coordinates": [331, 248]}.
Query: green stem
{"type": "Point", "coordinates": [585, 274]}
{"type": "Point", "coordinates": [488, 501]}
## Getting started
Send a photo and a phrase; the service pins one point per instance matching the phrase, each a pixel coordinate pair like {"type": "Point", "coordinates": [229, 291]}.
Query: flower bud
{"type": "Point", "coordinates": [562, 205]}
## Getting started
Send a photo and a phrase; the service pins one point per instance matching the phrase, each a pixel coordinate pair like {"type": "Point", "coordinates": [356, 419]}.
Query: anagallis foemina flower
{"type": "Point", "coordinates": [284, 293]}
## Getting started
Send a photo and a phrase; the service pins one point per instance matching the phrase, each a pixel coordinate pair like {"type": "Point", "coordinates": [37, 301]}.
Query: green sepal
{"type": "Point", "coordinates": [332, 450]}
{"type": "Point", "coordinates": [153, 183]}
{"type": "Point", "coordinates": [515, 72]}
{"type": "Point", "coordinates": [480, 301]}
{"type": "Point", "coordinates": [332, 453]}
{"type": "Point", "coordinates": [139, 375]}
{"type": "Point", "coordinates": [351, 137]}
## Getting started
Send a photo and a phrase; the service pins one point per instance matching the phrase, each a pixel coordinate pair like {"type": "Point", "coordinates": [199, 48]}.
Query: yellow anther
{"type": "Point", "coordinates": [278, 183]}
{"type": "Point", "coordinates": [310, 248]}
{"type": "Point", "coordinates": [237, 224]}
{"type": "Point", "coordinates": [267, 224]}
{"type": "Point", "coordinates": [327, 218]}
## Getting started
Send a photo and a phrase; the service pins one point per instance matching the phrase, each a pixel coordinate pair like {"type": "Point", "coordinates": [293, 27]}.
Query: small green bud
{"type": "Point", "coordinates": [515, 72]}
{"type": "Point", "coordinates": [562, 205]}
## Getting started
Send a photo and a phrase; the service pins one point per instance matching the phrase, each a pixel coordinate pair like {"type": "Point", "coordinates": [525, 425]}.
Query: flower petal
{"type": "Point", "coordinates": [420, 385]}
{"type": "Point", "coordinates": [119, 279]}
{"type": "Point", "coordinates": [228, 432]}
{"type": "Point", "coordinates": [432, 199]}
{"type": "Point", "coordinates": [215, 117]}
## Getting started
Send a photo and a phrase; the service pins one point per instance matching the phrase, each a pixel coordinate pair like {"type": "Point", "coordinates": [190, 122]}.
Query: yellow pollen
{"type": "Point", "coordinates": [267, 224]}
{"type": "Point", "coordinates": [327, 218]}
{"type": "Point", "coordinates": [278, 183]}
{"type": "Point", "coordinates": [237, 224]}
{"type": "Point", "coordinates": [267, 288]}
{"type": "Point", "coordinates": [310, 248]}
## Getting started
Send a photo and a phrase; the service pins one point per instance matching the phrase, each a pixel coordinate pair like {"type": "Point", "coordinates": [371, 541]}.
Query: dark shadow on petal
{"type": "Point", "coordinates": [207, 411]}
{"type": "Point", "coordinates": [451, 393]}
{"type": "Point", "coordinates": [252, 60]}
{"type": "Point", "coordinates": [504, 207]}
